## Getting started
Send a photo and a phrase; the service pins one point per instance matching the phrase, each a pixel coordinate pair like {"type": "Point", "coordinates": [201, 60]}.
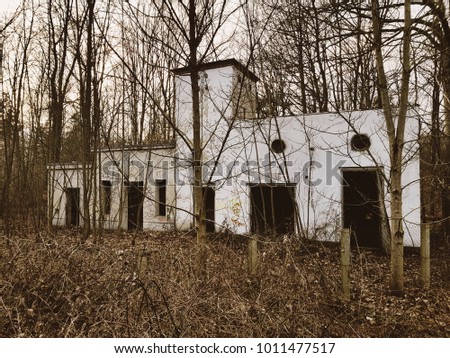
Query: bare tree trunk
{"type": "Point", "coordinates": [440, 13]}
{"type": "Point", "coordinates": [2, 116]}
{"type": "Point", "coordinates": [86, 112]}
{"type": "Point", "coordinates": [445, 56]}
{"type": "Point", "coordinates": [199, 212]}
{"type": "Point", "coordinates": [396, 139]}
{"type": "Point", "coordinates": [60, 71]}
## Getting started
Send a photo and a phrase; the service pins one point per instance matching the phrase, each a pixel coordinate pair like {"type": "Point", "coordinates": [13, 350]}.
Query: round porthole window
{"type": "Point", "coordinates": [360, 142]}
{"type": "Point", "coordinates": [278, 146]}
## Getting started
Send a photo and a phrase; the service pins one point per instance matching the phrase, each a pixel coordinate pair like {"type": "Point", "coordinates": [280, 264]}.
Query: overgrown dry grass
{"type": "Point", "coordinates": [54, 286]}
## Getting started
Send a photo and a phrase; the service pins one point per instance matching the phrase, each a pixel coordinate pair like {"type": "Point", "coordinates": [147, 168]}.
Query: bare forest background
{"type": "Point", "coordinates": [80, 75]}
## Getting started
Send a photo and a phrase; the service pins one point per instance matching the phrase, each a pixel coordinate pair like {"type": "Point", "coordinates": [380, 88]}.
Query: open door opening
{"type": "Point", "coordinates": [362, 206]}
{"type": "Point", "coordinates": [209, 198]}
{"type": "Point", "coordinates": [72, 206]}
{"type": "Point", "coordinates": [135, 206]}
{"type": "Point", "coordinates": [272, 209]}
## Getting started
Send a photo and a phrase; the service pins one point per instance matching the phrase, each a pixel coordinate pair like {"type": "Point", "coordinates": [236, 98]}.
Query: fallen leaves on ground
{"type": "Point", "coordinates": [145, 284]}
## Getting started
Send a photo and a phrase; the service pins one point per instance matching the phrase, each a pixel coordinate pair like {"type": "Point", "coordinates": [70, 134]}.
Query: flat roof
{"type": "Point", "coordinates": [68, 166]}
{"type": "Point", "coordinates": [171, 144]}
{"type": "Point", "coordinates": [219, 64]}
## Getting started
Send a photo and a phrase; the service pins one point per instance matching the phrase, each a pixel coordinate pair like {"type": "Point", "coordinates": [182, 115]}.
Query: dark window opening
{"type": "Point", "coordinates": [360, 142]}
{"type": "Point", "coordinates": [72, 206]}
{"type": "Point", "coordinates": [272, 209]}
{"type": "Point", "coordinates": [209, 198]}
{"type": "Point", "coordinates": [362, 207]}
{"type": "Point", "coordinates": [106, 197]}
{"type": "Point", "coordinates": [161, 197]}
{"type": "Point", "coordinates": [278, 146]}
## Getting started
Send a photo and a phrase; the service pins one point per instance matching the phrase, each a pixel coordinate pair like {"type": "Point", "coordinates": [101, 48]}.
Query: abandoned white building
{"type": "Point", "coordinates": [310, 174]}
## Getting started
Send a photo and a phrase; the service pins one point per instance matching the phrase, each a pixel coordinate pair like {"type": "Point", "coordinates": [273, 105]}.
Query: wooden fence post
{"type": "Point", "coordinates": [142, 263]}
{"type": "Point", "coordinates": [345, 263]}
{"type": "Point", "coordinates": [252, 255]}
{"type": "Point", "coordinates": [425, 255]}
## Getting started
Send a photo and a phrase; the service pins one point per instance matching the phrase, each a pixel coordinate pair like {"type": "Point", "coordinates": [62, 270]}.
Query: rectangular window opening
{"type": "Point", "coordinates": [106, 197]}
{"type": "Point", "coordinates": [161, 204]}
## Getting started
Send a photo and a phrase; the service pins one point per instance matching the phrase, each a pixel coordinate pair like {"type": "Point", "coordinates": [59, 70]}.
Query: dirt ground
{"type": "Point", "coordinates": [146, 285]}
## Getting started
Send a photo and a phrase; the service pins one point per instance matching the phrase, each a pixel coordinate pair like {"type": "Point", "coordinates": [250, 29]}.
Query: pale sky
{"type": "Point", "coordinates": [8, 6]}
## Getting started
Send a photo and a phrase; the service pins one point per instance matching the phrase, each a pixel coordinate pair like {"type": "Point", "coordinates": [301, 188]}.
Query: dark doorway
{"type": "Point", "coordinates": [362, 207]}
{"type": "Point", "coordinates": [135, 206]}
{"type": "Point", "coordinates": [209, 198]}
{"type": "Point", "coordinates": [272, 209]}
{"type": "Point", "coordinates": [72, 206]}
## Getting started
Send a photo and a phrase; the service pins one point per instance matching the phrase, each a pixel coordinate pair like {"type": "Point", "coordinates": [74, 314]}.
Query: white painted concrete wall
{"type": "Point", "coordinates": [144, 165]}
{"type": "Point", "coordinates": [119, 167]}
{"type": "Point", "coordinates": [325, 140]}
